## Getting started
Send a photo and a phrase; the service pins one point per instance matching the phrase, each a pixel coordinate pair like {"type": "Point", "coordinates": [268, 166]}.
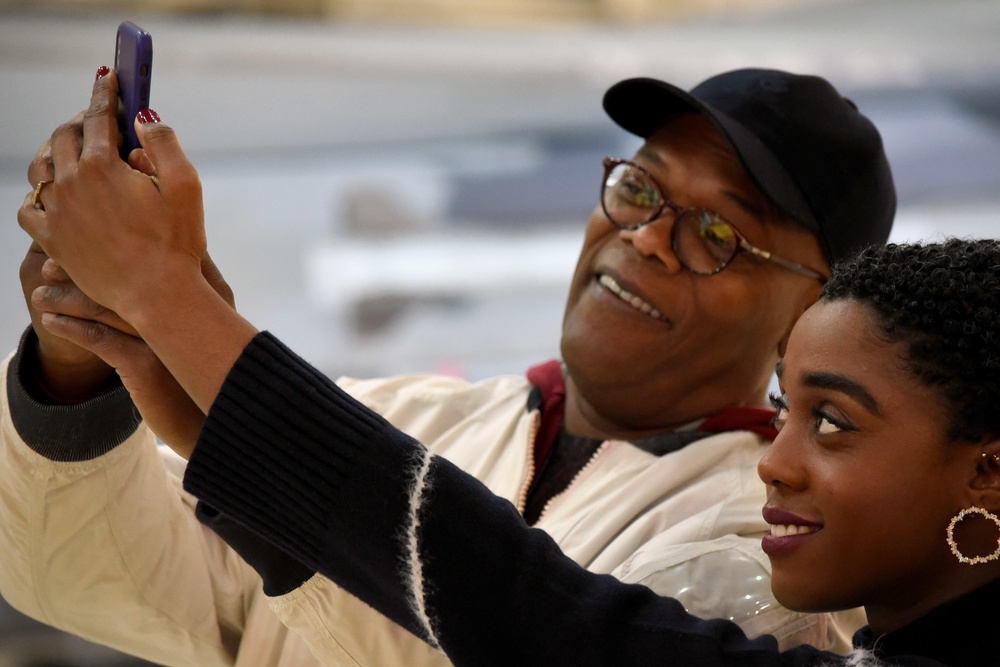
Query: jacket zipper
{"type": "Point", "coordinates": [522, 497]}
{"type": "Point", "coordinates": [591, 462]}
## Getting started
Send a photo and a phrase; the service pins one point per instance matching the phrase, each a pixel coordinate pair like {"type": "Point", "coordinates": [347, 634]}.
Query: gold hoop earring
{"type": "Point", "coordinates": [975, 560]}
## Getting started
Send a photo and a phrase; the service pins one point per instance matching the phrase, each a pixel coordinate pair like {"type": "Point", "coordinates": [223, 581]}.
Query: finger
{"type": "Point", "coordinates": [139, 161]}
{"type": "Point", "coordinates": [32, 221]}
{"type": "Point", "coordinates": [68, 299]}
{"type": "Point", "coordinates": [100, 120]}
{"type": "Point", "coordinates": [65, 145]}
{"type": "Point", "coordinates": [41, 167]}
{"type": "Point", "coordinates": [31, 269]}
{"type": "Point", "coordinates": [110, 345]}
{"type": "Point", "coordinates": [53, 273]}
{"type": "Point", "coordinates": [162, 147]}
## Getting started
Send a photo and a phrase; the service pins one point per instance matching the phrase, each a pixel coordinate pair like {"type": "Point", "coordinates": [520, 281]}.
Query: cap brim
{"type": "Point", "coordinates": [643, 105]}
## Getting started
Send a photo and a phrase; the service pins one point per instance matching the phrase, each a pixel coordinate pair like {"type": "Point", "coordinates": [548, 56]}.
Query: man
{"type": "Point", "coordinates": [637, 453]}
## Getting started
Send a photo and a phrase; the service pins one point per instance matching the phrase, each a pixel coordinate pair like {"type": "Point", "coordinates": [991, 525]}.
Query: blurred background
{"type": "Point", "coordinates": [402, 185]}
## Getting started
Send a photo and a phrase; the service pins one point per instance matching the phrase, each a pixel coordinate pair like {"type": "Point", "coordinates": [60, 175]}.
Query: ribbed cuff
{"type": "Point", "coordinates": [67, 432]}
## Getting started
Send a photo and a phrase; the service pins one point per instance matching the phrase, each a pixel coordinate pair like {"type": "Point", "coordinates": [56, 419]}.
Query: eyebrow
{"type": "Point", "coordinates": [845, 386]}
{"type": "Point", "coordinates": [650, 155]}
{"type": "Point", "coordinates": [836, 382]}
{"type": "Point", "coordinates": [747, 205]}
{"type": "Point", "coordinates": [744, 203]}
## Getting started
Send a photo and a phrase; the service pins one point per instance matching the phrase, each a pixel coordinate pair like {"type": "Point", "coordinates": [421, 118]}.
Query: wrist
{"type": "Point", "coordinates": [156, 298]}
{"type": "Point", "coordinates": [194, 332]}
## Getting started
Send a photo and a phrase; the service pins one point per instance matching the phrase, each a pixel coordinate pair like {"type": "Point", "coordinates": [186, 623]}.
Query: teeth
{"type": "Point", "coordinates": [785, 531]}
{"type": "Point", "coordinates": [630, 298]}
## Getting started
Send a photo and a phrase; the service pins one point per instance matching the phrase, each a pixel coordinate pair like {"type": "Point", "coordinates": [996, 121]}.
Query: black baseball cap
{"type": "Point", "coordinates": [802, 143]}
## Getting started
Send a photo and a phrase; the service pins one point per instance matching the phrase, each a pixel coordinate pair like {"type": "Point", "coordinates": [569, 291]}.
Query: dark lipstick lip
{"type": "Point", "coordinates": [777, 516]}
{"type": "Point", "coordinates": [776, 547]}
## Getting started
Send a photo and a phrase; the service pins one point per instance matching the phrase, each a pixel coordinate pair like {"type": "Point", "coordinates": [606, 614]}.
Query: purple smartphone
{"type": "Point", "coordinates": [134, 65]}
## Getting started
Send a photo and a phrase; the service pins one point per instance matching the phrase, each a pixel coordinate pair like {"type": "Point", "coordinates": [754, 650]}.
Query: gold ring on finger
{"type": "Point", "coordinates": [36, 200]}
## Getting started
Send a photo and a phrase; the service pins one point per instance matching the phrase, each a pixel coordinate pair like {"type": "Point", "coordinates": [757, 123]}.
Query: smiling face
{"type": "Point", "coordinates": [650, 346]}
{"type": "Point", "coordinates": [862, 479]}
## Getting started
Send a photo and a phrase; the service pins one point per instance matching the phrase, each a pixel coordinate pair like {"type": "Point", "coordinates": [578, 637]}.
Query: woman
{"type": "Point", "coordinates": [885, 481]}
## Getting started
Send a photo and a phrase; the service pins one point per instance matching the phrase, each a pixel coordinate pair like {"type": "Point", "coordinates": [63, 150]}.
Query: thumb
{"type": "Point", "coordinates": [161, 147]}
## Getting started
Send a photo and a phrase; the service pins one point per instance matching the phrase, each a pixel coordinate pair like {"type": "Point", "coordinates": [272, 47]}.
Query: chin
{"type": "Point", "coordinates": [800, 597]}
{"type": "Point", "coordinates": [594, 361]}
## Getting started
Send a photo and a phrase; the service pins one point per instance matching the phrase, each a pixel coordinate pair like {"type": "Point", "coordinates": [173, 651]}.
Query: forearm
{"type": "Point", "coordinates": [195, 333]}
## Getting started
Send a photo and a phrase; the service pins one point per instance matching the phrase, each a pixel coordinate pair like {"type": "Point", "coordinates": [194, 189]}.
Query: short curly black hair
{"type": "Point", "coordinates": [943, 301]}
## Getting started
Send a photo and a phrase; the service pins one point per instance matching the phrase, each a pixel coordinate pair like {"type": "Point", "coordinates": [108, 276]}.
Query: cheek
{"type": "Point", "coordinates": [744, 313]}
{"type": "Point", "coordinates": [859, 546]}
{"type": "Point", "coordinates": [598, 229]}
{"type": "Point", "coordinates": [885, 519]}
{"type": "Point", "coordinates": [598, 232]}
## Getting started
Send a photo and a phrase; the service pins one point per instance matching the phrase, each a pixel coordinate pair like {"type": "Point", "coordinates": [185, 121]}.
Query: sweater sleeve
{"type": "Point", "coordinates": [292, 457]}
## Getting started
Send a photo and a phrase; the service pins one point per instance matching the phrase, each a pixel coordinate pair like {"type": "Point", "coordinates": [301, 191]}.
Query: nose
{"type": "Point", "coordinates": [654, 240]}
{"type": "Point", "coordinates": [779, 465]}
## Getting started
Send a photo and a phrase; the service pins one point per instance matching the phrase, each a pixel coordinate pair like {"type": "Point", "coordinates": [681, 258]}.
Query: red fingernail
{"type": "Point", "coordinates": [102, 72]}
{"type": "Point", "coordinates": [147, 116]}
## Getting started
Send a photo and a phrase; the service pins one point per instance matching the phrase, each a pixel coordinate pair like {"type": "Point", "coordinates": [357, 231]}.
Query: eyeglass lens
{"type": "Point", "coordinates": [702, 241]}
{"type": "Point", "coordinates": [629, 198]}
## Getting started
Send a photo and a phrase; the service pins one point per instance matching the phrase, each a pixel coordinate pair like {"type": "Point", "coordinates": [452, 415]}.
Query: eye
{"type": "Point", "coordinates": [827, 420]}
{"type": "Point", "coordinates": [780, 410]}
{"type": "Point", "coordinates": [715, 230]}
{"type": "Point", "coordinates": [635, 190]}
{"type": "Point", "coordinates": [824, 426]}
{"type": "Point", "coordinates": [717, 236]}
{"type": "Point", "coordinates": [827, 423]}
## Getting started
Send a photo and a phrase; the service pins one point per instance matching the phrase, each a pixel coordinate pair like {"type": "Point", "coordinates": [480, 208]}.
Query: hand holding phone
{"type": "Point", "coordinates": [134, 65]}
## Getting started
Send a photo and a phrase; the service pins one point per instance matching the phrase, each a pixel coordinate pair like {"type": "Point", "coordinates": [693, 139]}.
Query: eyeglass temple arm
{"type": "Point", "coordinates": [788, 264]}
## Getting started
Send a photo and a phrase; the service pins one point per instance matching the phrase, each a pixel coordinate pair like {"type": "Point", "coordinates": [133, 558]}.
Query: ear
{"type": "Point", "coordinates": [985, 483]}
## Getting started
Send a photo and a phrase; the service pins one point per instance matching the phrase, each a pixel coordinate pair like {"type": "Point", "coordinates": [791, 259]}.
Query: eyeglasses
{"type": "Point", "coordinates": [703, 241]}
